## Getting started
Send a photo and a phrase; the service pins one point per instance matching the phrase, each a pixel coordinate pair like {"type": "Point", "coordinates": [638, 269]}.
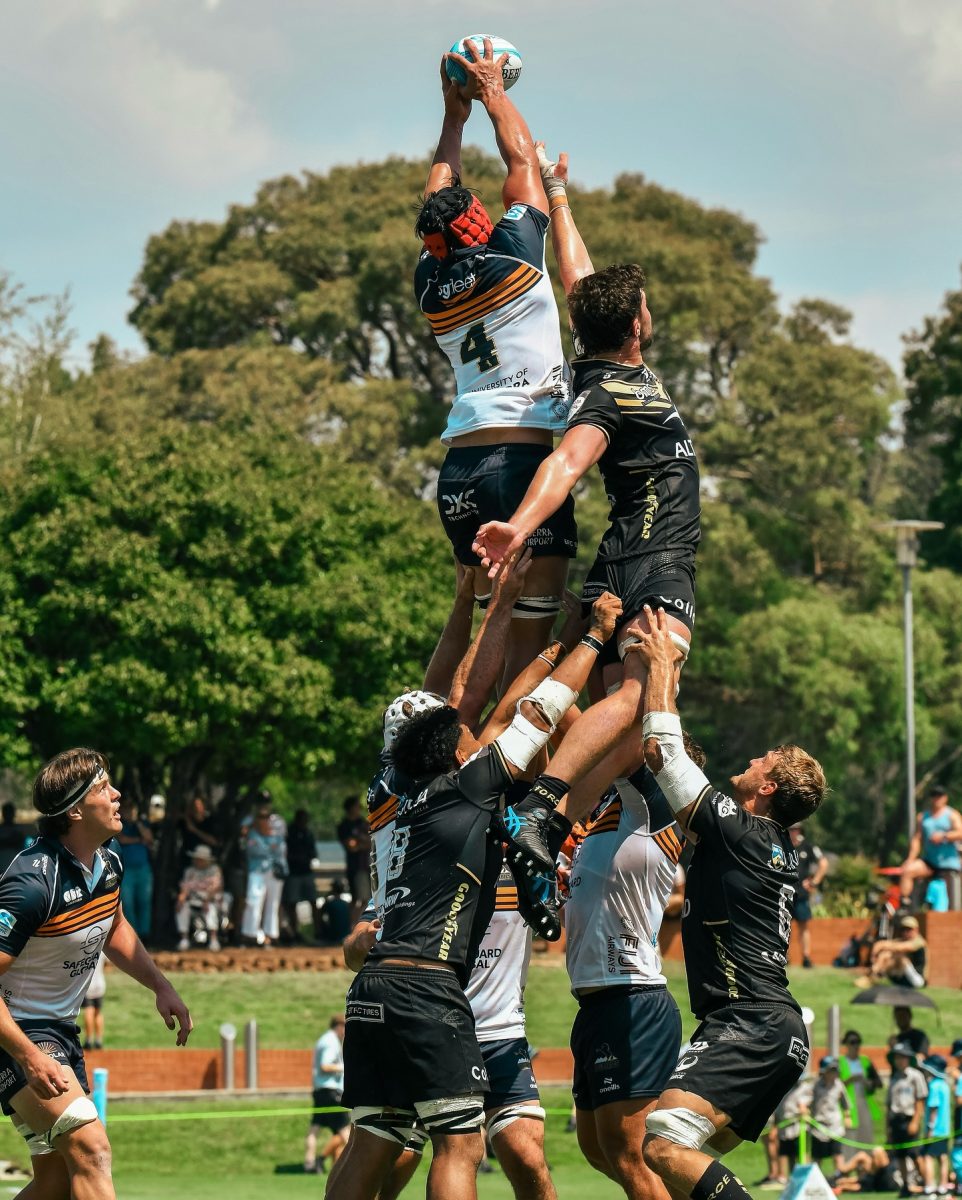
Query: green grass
{"type": "Point", "coordinates": [292, 1008]}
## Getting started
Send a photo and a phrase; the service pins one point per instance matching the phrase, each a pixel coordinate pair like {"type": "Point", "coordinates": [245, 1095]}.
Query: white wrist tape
{"type": "Point", "coordinates": [680, 780]}
{"type": "Point", "coordinates": [521, 741]}
{"type": "Point", "coordinates": [553, 698]}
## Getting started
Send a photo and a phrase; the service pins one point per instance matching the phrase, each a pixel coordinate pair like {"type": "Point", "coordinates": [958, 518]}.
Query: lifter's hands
{"type": "Point", "coordinates": [496, 541]}
{"type": "Point", "coordinates": [511, 577]}
{"type": "Point", "coordinates": [654, 642]}
{"type": "Point", "coordinates": [604, 616]}
{"type": "Point", "coordinates": [456, 105]}
{"type": "Point", "coordinates": [549, 169]}
{"type": "Point", "coordinates": [485, 80]}
{"type": "Point", "coordinates": [45, 1077]}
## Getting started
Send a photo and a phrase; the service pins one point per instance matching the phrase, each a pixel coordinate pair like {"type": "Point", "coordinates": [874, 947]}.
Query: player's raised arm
{"type": "Point", "coordinates": [570, 251]}
{"type": "Point", "coordinates": [515, 143]}
{"type": "Point", "coordinates": [446, 167]}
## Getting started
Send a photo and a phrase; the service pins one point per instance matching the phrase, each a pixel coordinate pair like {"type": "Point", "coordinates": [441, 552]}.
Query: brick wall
{"type": "Point", "coordinates": [943, 932]}
{"type": "Point", "coordinates": [187, 1070]}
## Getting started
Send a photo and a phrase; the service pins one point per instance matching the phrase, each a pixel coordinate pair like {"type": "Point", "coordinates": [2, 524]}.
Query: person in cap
{"type": "Point", "coordinates": [830, 1112]}
{"type": "Point", "coordinates": [902, 960]}
{"type": "Point", "coordinates": [905, 1109]}
{"type": "Point", "coordinates": [59, 908]}
{"type": "Point", "coordinates": [936, 1127]}
{"type": "Point", "coordinates": [202, 890]}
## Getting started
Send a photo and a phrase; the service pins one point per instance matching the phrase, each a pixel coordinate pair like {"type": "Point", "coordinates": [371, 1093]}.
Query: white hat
{"type": "Point", "coordinates": [203, 852]}
{"type": "Point", "coordinates": [403, 708]}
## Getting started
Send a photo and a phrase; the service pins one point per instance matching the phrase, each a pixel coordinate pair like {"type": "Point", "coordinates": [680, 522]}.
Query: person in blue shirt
{"type": "Point", "coordinates": [938, 1125]}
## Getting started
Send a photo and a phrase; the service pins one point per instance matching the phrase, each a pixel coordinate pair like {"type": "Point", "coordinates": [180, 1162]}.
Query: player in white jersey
{"type": "Point", "coordinates": [627, 1034]}
{"type": "Point", "coordinates": [485, 291]}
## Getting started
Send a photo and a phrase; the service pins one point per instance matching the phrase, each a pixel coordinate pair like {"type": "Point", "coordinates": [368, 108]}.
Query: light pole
{"type": "Point", "coordinates": [906, 555]}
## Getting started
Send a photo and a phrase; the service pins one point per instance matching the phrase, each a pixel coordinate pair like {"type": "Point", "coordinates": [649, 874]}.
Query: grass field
{"type": "Point", "coordinates": [252, 1157]}
{"type": "Point", "coordinates": [292, 1008]}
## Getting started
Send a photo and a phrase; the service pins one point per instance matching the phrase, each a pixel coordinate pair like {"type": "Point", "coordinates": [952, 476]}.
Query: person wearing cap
{"type": "Point", "coordinates": [937, 1125]}
{"type": "Point", "coordinates": [905, 1108]}
{"type": "Point", "coordinates": [901, 960]}
{"type": "Point", "coordinates": [934, 848]}
{"type": "Point", "coordinates": [830, 1113]}
{"type": "Point", "coordinates": [202, 888]}
{"type": "Point", "coordinates": [60, 907]}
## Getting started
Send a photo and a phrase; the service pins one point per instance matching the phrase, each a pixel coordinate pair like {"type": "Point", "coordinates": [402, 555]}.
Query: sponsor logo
{"type": "Point", "coordinates": [516, 211]}
{"type": "Point", "coordinates": [7, 1077]}
{"type": "Point", "coordinates": [799, 1051]}
{"type": "Point", "coordinates": [42, 862]}
{"type": "Point", "coordinates": [394, 899]}
{"type": "Point", "coordinates": [94, 940]}
{"type": "Point", "coordinates": [479, 1073]}
{"type": "Point", "coordinates": [456, 287]}
{"type": "Point", "coordinates": [684, 449]}
{"type": "Point", "coordinates": [577, 405]}
{"type": "Point", "coordinates": [91, 946]}
{"type": "Point", "coordinates": [778, 857]}
{"type": "Point", "coordinates": [357, 1010]}
{"type": "Point", "coordinates": [604, 1056]}
{"type": "Point", "coordinates": [518, 380]}
{"type": "Point", "coordinates": [689, 1057]}
{"type": "Point", "coordinates": [608, 1085]}
{"type": "Point", "coordinates": [459, 504]}
{"type": "Point", "coordinates": [683, 606]}
{"type": "Point", "coordinates": [726, 806]}
{"type": "Point", "coordinates": [451, 924]}
{"type": "Point", "coordinates": [7, 921]}
{"type": "Point", "coordinates": [72, 895]}
{"type": "Point", "coordinates": [54, 1049]}
{"type": "Point", "coordinates": [651, 508]}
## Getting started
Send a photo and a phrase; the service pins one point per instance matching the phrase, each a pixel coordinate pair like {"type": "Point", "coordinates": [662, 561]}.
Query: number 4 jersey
{"type": "Point", "coordinates": [494, 315]}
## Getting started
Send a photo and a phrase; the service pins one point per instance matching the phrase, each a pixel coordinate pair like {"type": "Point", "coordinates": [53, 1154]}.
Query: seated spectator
{"type": "Point", "coordinates": [901, 960]}
{"type": "Point", "coordinates": [934, 849]}
{"type": "Point", "coordinates": [829, 1111]}
{"type": "Point", "coordinates": [201, 891]}
{"type": "Point", "coordinates": [299, 887]}
{"type": "Point", "coordinates": [334, 923]}
{"type": "Point", "coordinates": [865, 1171]}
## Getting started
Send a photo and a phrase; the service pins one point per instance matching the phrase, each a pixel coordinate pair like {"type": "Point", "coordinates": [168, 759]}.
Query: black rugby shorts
{"type": "Point", "coordinates": [664, 580]}
{"type": "Point", "coordinates": [487, 483]}
{"type": "Point", "coordinates": [625, 1044]}
{"type": "Point", "coordinates": [745, 1059]}
{"type": "Point", "coordinates": [409, 1037]}
{"type": "Point", "coordinates": [328, 1098]}
{"type": "Point", "coordinates": [58, 1039]}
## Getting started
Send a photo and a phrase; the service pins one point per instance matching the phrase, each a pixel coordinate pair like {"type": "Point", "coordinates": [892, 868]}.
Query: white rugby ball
{"type": "Point", "coordinates": [511, 71]}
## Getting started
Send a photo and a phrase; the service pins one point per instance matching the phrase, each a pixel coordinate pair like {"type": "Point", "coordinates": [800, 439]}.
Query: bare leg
{"type": "Point", "coordinates": [679, 1166]}
{"type": "Point", "coordinates": [310, 1148]}
{"type": "Point", "coordinates": [85, 1151]}
{"type": "Point", "coordinates": [50, 1179]}
{"type": "Point", "coordinates": [454, 1168]}
{"type": "Point", "coordinates": [400, 1175]}
{"type": "Point", "coordinates": [520, 1151]}
{"type": "Point", "coordinates": [360, 1173]}
{"type": "Point", "coordinates": [621, 1133]}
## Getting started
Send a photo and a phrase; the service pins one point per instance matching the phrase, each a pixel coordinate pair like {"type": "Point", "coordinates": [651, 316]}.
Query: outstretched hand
{"type": "Point", "coordinates": [456, 104]}
{"type": "Point", "coordinates": [653, 635]}
{"type": "Point", "coordinates": [495, 542]}
{"type": "Point", "coordinates": [550, 169]}
{"type": "Point", "coordinates": [604, 616]}
{"type": "Point", "coordinates": [174, 1011]}
{"type": "Point", "coordinates": [511, 577]}
{"type": "Point", "coordinates": [484, 72]}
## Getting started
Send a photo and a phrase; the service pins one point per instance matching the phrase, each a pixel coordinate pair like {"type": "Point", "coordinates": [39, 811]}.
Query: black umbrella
{"type": "Point", "coordinates": [895, 997]}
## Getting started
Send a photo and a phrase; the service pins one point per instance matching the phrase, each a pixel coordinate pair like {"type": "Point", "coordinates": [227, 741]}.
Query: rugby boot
{"type": "Point", "coordinates": [538, 902]}
{"type": "Point", "coordinates": [533, 830]}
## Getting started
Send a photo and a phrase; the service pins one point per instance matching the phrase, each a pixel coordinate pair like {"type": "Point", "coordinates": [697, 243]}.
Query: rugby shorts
{"type": "Point", "coordinates": [664, 580]}
{"type": "Point", "coordinates": [58, 1039]}
{"type": "Point", "coordinates": [327, 1098]}
{"type": "Point", "coordinates": [625, 1043]}
{"type": "Point", "coordinates": [824, 1148]}
{"type": "Point", "coordinates": [409, 1037]}
{"type": "Point", "coordinates": [802, 905]}
{"type": "Point", "coordinates": [744, 1059]}
{"type": "Point", "coordinates": [487, 483]}
{"type": "Point", "coordinates": [510, 1075]}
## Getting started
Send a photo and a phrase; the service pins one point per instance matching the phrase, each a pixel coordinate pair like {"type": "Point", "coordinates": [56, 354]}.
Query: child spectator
{"type": "Point", "coordinates": [830, 1113]}
{"type": "Point", "coordinates": [906, 1108]}
{"type": "Point", "coordinates": [938, 1125]}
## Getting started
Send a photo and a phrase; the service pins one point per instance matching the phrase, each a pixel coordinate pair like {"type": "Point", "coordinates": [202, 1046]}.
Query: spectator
{"type": "Point", "coordinates": [201, 891]}
{"type": "Point", "coordinates": [335, 918]}
{"type": "Point", "coordinates": [299, 885]}
{"type": "Point", "coordinates": [935, 844]}
{"type": "Point", "coordinates": [93, 1008]}
{"type": "Point", "coordinates": [266, 849]}
{"type": "Point", "coordinates": [862, 1081]}
{"type": "Point", "coordinates": [907, 1034]}
{"type": "Point", "coordinates": [829, 1111]}
{"type": "Point", "coordinates": [352, 833]}
{"type": "Point", "coordinates": [12, 839]}
{"type": "Point", "coordinates": [905, 1107]}
{"type": "Point", "coordinates": [197, 828]}
{"type": "Point", "coordinates": [901, 960]}
{"type": "Point", "coordinates": [866, 1171]}
{"type": "Point", "coordinates": [938, 1125]}
{"type": "Point", "coordinates": [956, 1074]}
{"type": "Point", "coordinates": [788, 1120]}
{"type": "Point", "coordinates": [812, 868]}
{"type": "Point", "coordinates": [328, 1084]}
{"type": "Point", "coordinates": [137, 885]}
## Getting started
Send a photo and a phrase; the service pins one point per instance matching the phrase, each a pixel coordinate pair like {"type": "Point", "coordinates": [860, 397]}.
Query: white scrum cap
{"type": "Point", "coordinates": [403, 708]}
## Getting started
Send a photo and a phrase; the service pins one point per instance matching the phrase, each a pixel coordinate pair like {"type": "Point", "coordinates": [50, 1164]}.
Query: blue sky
{"type": "Point", "coordinates": [834, 124]}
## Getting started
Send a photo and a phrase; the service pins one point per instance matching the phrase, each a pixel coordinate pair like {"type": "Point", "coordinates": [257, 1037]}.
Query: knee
{"type": "Point", "coordinates": [658, 1154]}
{"type": "Point", "coordinates": [86, 1150]}
{"type": "Point", "coordinates": [465, 1147]}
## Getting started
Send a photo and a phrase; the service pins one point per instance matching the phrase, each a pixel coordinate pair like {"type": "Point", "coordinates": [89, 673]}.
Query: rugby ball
{"type": "Point", "coordinates": [511, 71]}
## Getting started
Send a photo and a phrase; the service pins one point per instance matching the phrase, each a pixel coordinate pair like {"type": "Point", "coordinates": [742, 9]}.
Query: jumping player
{"type": "Point", "coordinates": [622, 419]}
{"type": "Point", "coordinates": [59, 907]}
{"type": "Point", "coordinates": [410, 1047]}
{"type": "Point", "coordinates": [485, 290]}
{"type": "Point", "coordinates": [751, 1045]}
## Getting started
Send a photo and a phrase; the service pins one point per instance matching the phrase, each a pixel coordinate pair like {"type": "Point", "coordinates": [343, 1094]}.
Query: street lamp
{"type": "Point", "coordinates": [906, 555]}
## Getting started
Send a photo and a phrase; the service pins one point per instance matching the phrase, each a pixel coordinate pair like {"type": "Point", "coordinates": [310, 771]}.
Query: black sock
{"type": "Point", "coordinates": [719, 1183]}
{"type": "Point", "coordinates": [558, 829]}
{"type": "Point", "coordinates": [546, 792]}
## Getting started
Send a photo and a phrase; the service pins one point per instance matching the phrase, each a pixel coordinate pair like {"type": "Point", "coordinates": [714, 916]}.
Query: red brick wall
{"type": "Point", "coordinates": [943, 932]}
{"type": "Point", "coordinates": [187, 1070]}
{"type": "Point", "coordinates": [829, 934]}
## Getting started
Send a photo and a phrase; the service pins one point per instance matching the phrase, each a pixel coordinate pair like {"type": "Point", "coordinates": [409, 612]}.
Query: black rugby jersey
{"type": "Point", "coordinates": [649, 469]}
{"type": "Point", "coordinates": [443, 866]}
{"type": "Point", "coordinates": [54, 924]}
{"type": "Point", "coordinates": [737, 918]}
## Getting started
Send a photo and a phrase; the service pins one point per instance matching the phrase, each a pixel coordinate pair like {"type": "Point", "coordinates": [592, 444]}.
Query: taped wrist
{"type": "Point", "coordinates": [552, 698]}
{"type": "Point", "coordinates": [680, 780]}
{"type": "Point", "coordinates": [553, 186]}
{"type": "Point", "coordinates": [522, 741]}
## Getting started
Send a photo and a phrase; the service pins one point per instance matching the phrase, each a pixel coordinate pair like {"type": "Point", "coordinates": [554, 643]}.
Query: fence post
{"type": "Point", "coordinates": [834, 1029]}
{"type": "Point", "coordinates": [99, 1093]}
{"type": "Point", "coordinates": [228, 1038]}
{"type": "Point", "coordinates": [250, 1053]}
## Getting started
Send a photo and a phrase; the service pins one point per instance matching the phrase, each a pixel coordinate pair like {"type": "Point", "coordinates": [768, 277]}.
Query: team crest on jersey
{"type": "Point", "coordinates": [726, 806]}
{"type": "Point", "coordinates": [604, 1056]}
{"type": "Point", "coordinates": [7, 921]}
{"type": "Point", "coordinates": [778, 857]}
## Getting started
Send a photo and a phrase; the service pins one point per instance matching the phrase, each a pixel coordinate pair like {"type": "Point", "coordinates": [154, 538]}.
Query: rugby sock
{"type": "Point", "coordinates": [719, 1183]}
{"type": "Point", "coordinates": [547, 791]}
{"type": "Point", "coordinates": [558, 829]}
